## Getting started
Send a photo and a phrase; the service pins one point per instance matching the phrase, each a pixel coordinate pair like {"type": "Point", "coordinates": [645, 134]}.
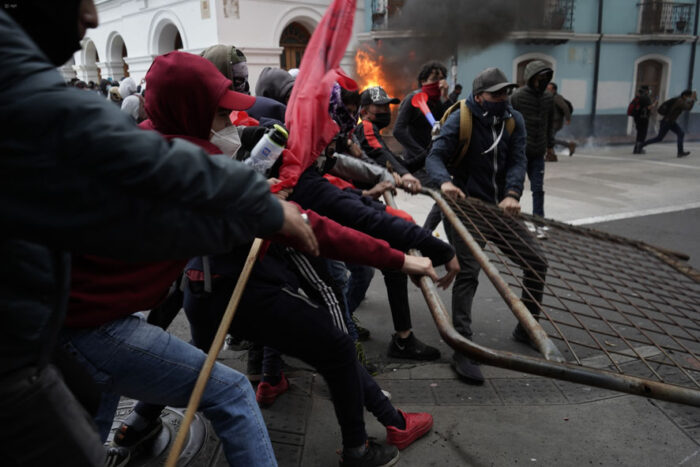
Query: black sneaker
{"type": "Point", "coordinates": [411, 348]}
{"type": "Point", "coordinates": [129, 437]}
{"type": "Point", "coordinates": [376, 455]}
{"type": "Point", "coordinates": [520, 335]}
{"type": "Point", "coordinates": [254, 364]}
{"type": "Point", "coordinates": [117, 457]}
{"type": "Point", "coordinates": [467, 370]}
{"type": "Point", "coordinates": [683, 154]}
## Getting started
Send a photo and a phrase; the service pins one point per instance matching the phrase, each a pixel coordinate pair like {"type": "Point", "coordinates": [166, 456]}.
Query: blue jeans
{"type": "Point", "coordinates": [664, 128]}
{"type": "Point", "coordinates": [535, 172]}
{"type": "Point", "coordinates": [132, 358]}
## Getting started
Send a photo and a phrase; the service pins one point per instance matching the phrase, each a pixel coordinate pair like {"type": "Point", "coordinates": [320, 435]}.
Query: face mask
{"type": "Point", "coordinates": [432, 90]}
{"type": "Point", "coordinates": [494, 109]}
{"type": "Point", "coordinates": [227, 140]}
{"type": "Point", "coordinates": [382, 120]}
{"type": "Point", "coordinates": [542, 85]}
{"type": "Point", "coordinates": [239, 76]}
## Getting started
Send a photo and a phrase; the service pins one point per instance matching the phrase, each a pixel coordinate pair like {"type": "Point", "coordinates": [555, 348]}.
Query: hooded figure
{"type": "Point", "coordinates": [537, 107]}
{"type": "Point", "coordinates": [276, 84]}
{"type": "Point", "coordinates": [232, 63]}
{"type": "Point", "coordinates": [127, 87]}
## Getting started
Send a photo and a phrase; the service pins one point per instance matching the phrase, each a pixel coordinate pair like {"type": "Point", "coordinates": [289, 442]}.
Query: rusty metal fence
{"type": "Point", "coordinates": [615, 313]}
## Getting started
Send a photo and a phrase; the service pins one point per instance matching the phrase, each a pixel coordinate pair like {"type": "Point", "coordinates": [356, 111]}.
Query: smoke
{"type": "Point", "coordinates": [438, 30]}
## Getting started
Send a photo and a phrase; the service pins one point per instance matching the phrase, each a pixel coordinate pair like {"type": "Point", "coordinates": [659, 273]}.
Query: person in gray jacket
{"type": "Point", "coordinates": [535, 104]}
{"type": "Point", "coordinates": [77, 175]}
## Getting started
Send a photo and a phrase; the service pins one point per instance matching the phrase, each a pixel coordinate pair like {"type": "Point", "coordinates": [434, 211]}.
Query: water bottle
{"type": "Point", "coordinates": [268, 149]}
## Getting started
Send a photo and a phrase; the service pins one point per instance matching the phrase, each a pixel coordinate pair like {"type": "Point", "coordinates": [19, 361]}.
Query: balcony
{"type": "Point", "coordinates": [665, 21]}
{"type": "Point", "coordinates": [551, 26]}
{"type": "Point", "coordinates": [385, 13]}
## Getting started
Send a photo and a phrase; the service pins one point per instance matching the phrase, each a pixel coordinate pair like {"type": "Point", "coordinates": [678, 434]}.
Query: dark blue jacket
{"type": "Point", "coordinates": [364, 214]}
{"type": "Point", "coordinates": [485, 176]}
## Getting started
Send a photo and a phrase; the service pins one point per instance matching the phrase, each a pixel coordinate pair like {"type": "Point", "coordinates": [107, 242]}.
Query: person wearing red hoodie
{"type": "Point", "coordinates": [271, 311]}
{"type": "Point", "coordinates": [124, 354]}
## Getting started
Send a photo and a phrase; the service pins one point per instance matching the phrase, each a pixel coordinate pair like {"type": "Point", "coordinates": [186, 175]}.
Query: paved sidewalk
{"type": "Point", "coordinates": [513, 419]}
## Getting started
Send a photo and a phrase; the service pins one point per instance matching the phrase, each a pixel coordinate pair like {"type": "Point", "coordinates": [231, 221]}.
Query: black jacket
{"type": "Point", "coordinates": [78, 175]}
{"type": "Point", "coordinates": [373, 145]}
{"type": "Point", "coordinates": [413, 131]}
{"type": "Point", "coordinates": [538, 111]}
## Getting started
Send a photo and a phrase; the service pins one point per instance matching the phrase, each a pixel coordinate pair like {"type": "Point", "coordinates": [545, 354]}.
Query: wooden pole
{"type": "Point", "coordinates": [216, 346]}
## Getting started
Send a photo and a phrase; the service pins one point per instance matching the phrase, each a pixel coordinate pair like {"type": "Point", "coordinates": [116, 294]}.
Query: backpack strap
{"type": "Point", "coordinates": [465, 129]}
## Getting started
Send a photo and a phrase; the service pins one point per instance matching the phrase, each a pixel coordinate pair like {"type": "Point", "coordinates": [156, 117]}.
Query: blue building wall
{"type": "Point", "coordinates": [621, 48]}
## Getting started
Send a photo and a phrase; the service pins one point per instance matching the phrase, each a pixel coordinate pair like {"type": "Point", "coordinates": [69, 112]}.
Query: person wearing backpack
{"type": "Point", "coordinates": [671, 110]}
{"type": "Point", "coordinates": [640, 109]}
{"type": "Point", "coordinates": [480, 153]}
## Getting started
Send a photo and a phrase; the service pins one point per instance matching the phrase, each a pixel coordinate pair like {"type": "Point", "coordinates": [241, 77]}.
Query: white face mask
{"type": "Point", "coordinates": [227, 140]}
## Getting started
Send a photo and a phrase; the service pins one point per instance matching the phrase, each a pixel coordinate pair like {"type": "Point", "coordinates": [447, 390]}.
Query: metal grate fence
{"type": "Point", "coordinates": [609, 303]}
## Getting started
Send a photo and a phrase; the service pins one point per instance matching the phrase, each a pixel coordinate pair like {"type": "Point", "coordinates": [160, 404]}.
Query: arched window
{"type": "Point", "coordinates": [294, 39]}
{"type": "Point", "coordinates": [169, 39]}
{"type": "Point", "coordinates": [520, 76]}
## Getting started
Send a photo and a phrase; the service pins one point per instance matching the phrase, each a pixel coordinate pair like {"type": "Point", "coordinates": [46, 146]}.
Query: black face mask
{"type": "Point", "coordinates": [382, 120]}
{"type": "Point", "coordinates": [494, 109]}
{"type": "Point", "coordinates": [53, 26]}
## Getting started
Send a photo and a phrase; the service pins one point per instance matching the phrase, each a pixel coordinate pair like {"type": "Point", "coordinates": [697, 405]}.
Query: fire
{"type": "Point", "coordinates": [368, 68]}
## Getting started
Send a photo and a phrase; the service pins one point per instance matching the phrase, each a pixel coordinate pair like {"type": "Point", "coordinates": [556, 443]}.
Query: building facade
{"type": "Point", "coordinates": [601, 51]}
{"type": "Point", "coordinates": [133, 32]}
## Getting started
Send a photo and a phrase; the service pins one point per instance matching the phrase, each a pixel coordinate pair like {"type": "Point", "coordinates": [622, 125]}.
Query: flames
{"type": "Point", "coordinates": [369, 71]}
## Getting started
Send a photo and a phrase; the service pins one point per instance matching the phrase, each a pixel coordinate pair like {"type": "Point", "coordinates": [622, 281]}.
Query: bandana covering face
{"type": "Point", "coordinates": [432, 90]}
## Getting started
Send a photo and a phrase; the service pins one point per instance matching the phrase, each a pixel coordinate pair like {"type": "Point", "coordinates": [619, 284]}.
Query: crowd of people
{"type": "Point", "coordinates": [140, 197]}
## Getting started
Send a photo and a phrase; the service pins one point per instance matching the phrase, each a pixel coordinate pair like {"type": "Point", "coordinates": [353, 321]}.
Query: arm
{"type": "Point", "coordinates": [373, 145]}
{"type": "Point", "coordinates": [559, 102]}
{"type": "Point", "coordinates": [98, 184]}
{"type": "Point", "coordinates": [516, 164]}
{"type": "Point", "coordinates": [352, 168]}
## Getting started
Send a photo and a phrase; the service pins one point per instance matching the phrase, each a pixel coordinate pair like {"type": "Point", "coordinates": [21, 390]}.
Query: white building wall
{"type": "Point", "coordinates": [255, 26]}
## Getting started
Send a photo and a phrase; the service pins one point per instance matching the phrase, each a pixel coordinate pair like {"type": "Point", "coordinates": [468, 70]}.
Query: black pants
{"type": "Point", "coordinates": [279, 318]}
{"type": "Point", "coordinates": [642, 126]}
{"type": "Point", "coordinates": [523, 250]}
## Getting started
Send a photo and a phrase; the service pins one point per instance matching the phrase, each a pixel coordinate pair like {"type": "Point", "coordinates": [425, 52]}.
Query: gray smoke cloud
{"type": "Point", "coordinates": [441, 28]}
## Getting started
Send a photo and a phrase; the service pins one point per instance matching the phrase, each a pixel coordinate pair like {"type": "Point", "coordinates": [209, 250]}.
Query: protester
{"type": "Point", "coordinates": [271, 311]}
{"type": "Point", "coordinates": [134, 107]}
{"type": "Point", "coordinates": [415, 133]}
{"type": "Point", "coordinates": [454, 95]}
{"type": "Point", "coordinates": [671, 110]}
{"type": "Point", "coordinates": [412, 128]}
{"type": "Point", "coordinates": [562, 113]}
{"type": "Point", "coordinates": [640, 110]}
{"type": "Point", "coordinates": [490, 167]}
{"type": "Point", "coordinates": [535, 105]}
{"type": "Point", "coordinates": [121, 192]}
{"type": "Point", "coordinates": [375, 114]}
{"type": "Point", "coordinates": [232, 63]}
{"type": "Point", "coordinates": [275, 83]}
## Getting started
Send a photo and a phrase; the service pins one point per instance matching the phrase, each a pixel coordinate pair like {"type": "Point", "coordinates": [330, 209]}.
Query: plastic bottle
{"type": "Point", "coordinates": [268, 149]}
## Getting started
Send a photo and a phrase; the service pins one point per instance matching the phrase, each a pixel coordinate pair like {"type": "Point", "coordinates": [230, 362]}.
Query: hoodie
{"type": "Point", "coordinates": [180, 105]}
{"type": "Point", "coordinates": [275, 83]}
{"type": "Point", "coordinates": [537, 108]}
{"type": "Point", "coordinates": [488, 176]}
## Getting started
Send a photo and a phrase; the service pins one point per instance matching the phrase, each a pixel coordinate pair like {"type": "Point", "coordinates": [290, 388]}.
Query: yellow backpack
{"type": "Point", "coordinates": [465, 129]}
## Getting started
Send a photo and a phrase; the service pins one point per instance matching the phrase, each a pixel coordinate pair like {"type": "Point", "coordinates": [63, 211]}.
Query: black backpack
{"type": "Point", "coordinates": [665, 108]}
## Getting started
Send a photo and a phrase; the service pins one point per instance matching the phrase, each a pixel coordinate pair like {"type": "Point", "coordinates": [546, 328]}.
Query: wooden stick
{"type": "Point", "coordinates": [205, 372]}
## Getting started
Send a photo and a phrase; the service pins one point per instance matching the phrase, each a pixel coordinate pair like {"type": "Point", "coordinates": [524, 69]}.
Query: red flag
{"type": "Point", "coordinates": [310, 126]}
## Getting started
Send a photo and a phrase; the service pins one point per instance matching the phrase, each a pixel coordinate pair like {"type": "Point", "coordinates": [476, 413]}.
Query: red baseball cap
{"type": "Point", "coordinates": [233, 100]}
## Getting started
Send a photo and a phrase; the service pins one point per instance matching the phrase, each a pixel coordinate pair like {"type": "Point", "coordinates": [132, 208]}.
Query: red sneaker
{"type": "Point", "coordinates": [417, 424]}
{"type": "Point", "coordinates": [267, 393]}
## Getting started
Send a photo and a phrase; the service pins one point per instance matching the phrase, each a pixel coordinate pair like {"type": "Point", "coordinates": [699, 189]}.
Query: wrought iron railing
{"type": "Point", "coordinates": [663, 17]}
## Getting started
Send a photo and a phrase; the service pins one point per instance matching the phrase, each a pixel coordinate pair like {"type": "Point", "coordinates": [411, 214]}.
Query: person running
{"type": "Point", "coordinates": [671, 110]}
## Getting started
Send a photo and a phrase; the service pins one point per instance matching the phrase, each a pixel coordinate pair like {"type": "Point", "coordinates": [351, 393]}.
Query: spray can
{"type": "Point", "coordinates": [268, 149]}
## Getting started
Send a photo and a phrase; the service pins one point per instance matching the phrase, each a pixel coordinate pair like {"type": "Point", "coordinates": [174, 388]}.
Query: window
{"type": "Point", "coordinates": [294, 39]}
